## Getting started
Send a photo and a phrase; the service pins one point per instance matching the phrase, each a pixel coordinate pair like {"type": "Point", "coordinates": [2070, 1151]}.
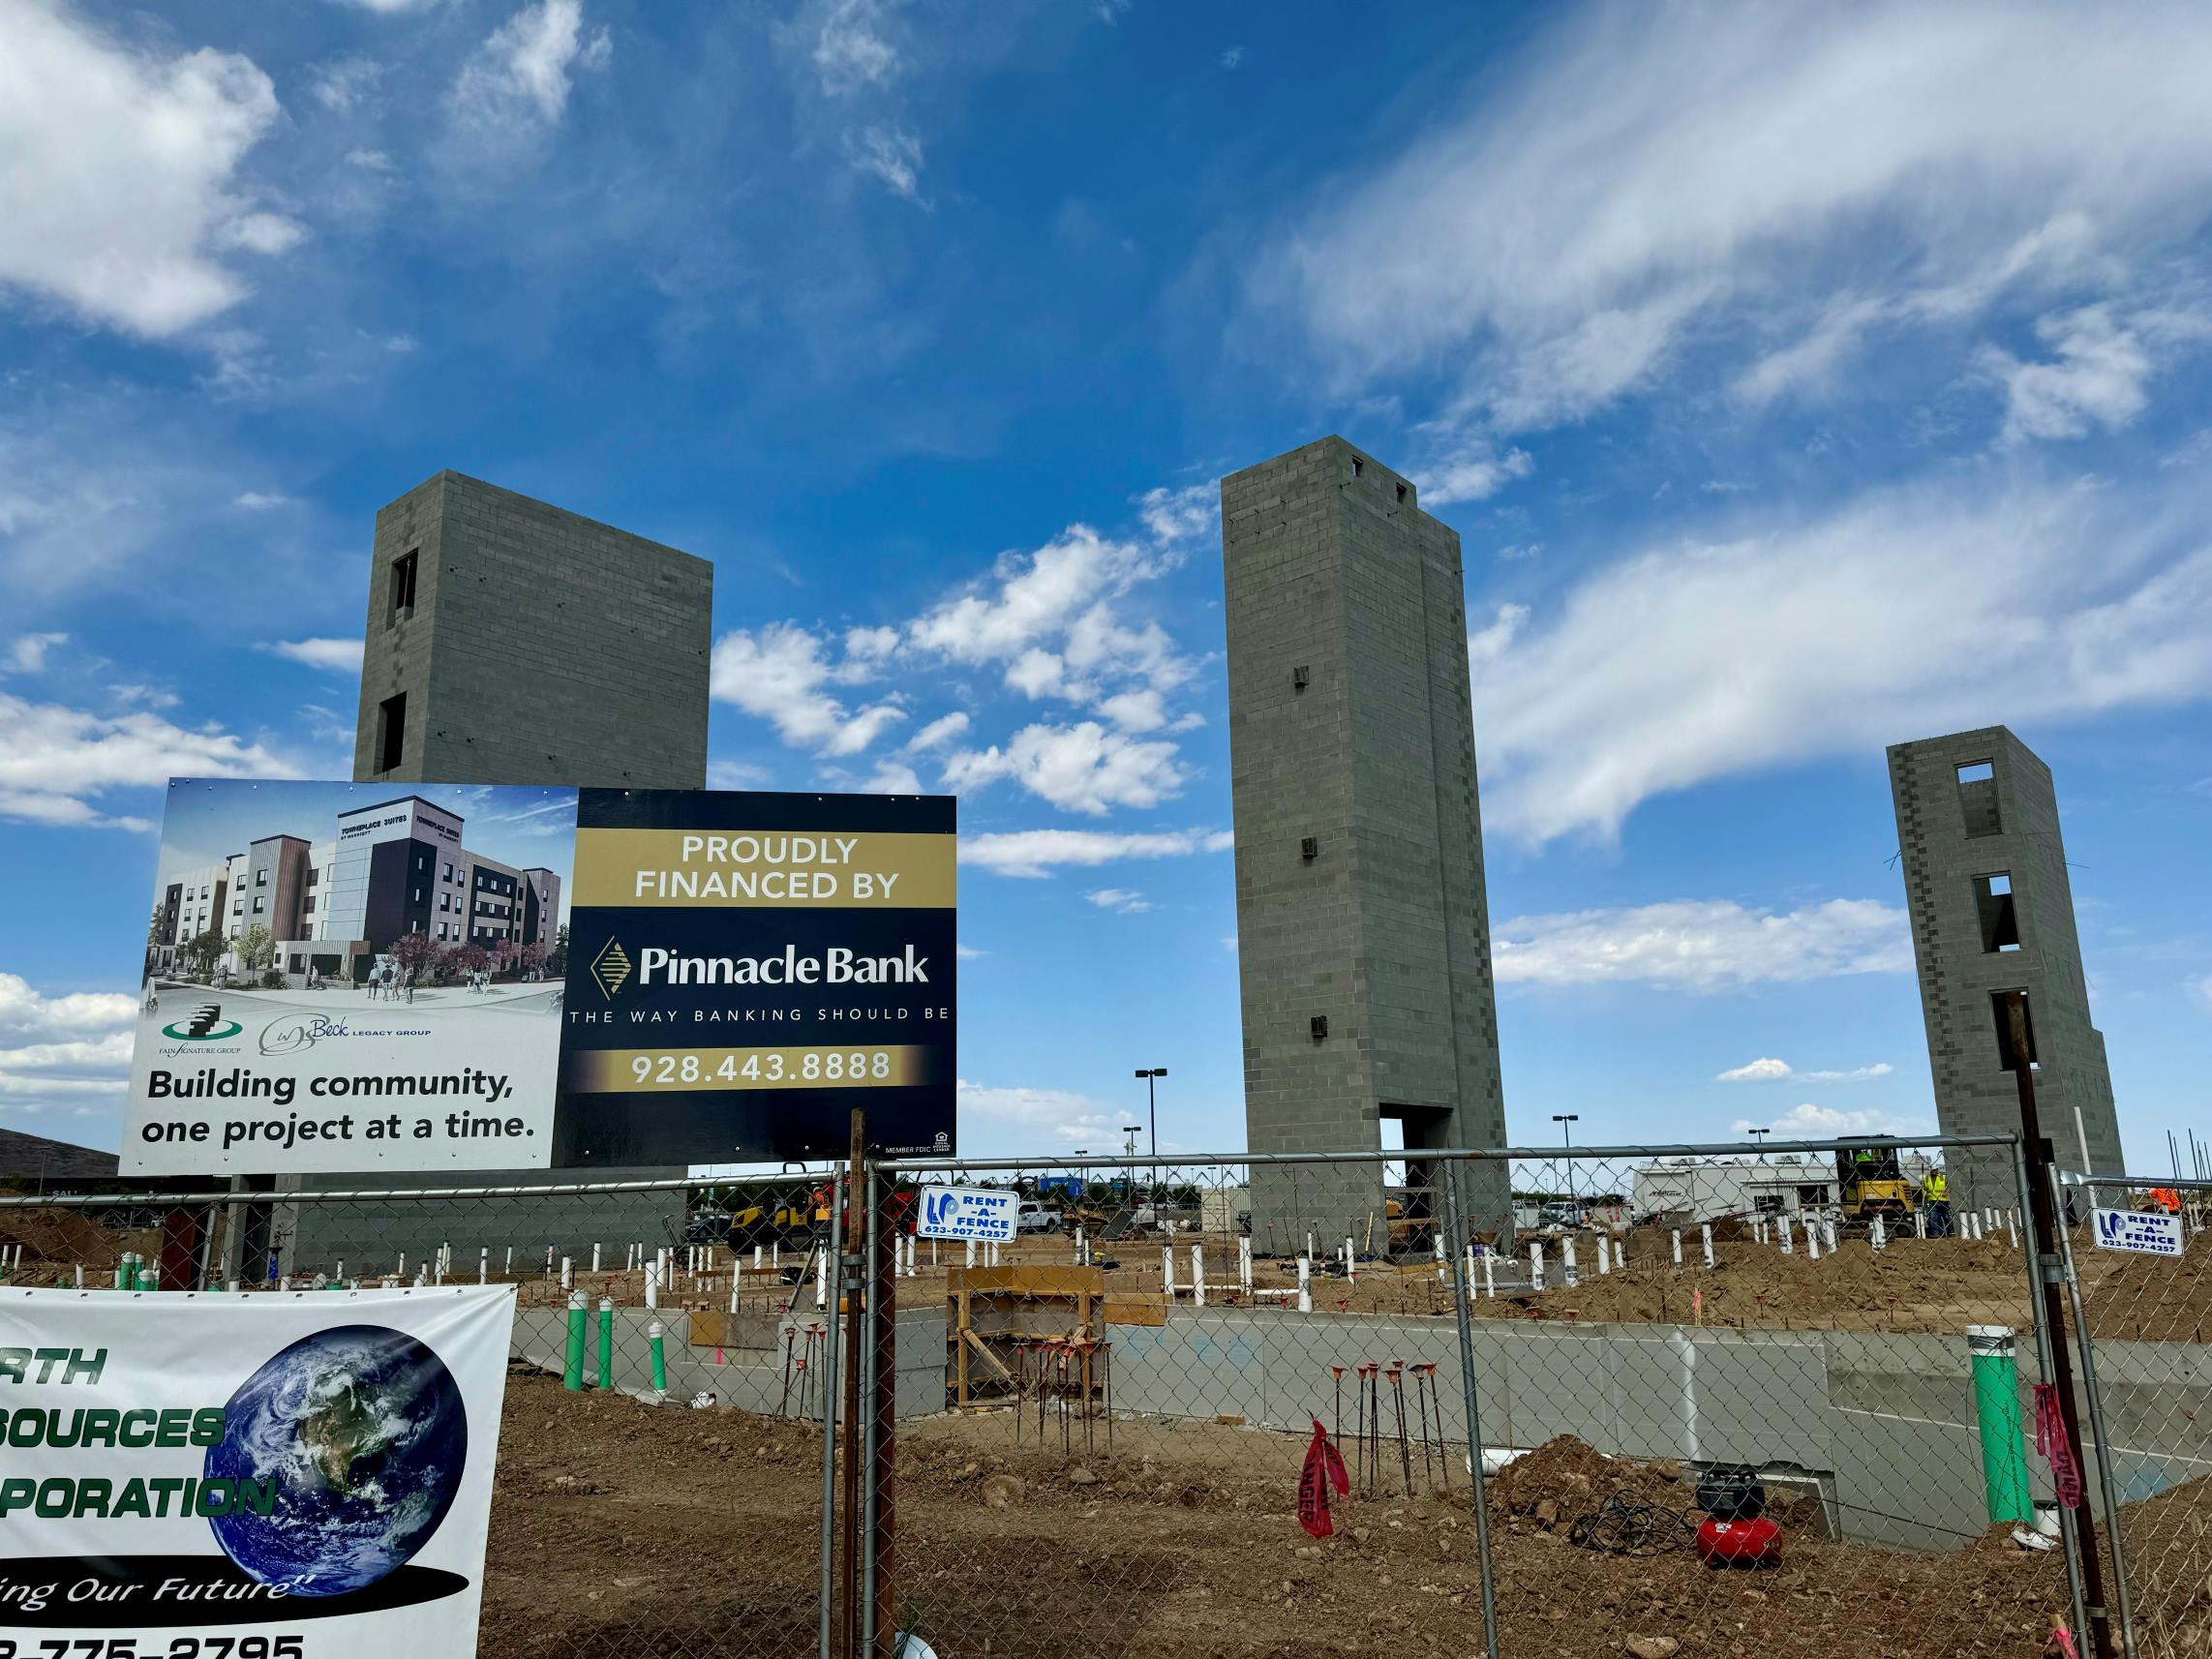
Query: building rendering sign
{"type": "Point", "coordinates": [745, 969]}
{"type": "Point", "coordinates": [478, 977]}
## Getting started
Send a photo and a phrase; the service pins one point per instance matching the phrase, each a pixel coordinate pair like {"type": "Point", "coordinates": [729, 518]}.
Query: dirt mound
{"type": "Point", "coordinates": [62, 1235]}
{"type": "Point", "coordinates": [1566, 1478]}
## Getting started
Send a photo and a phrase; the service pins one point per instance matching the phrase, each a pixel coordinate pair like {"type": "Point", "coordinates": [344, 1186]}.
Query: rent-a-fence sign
{"type": "Point", "coordinates": [2144, 1231]}
{"type": "Point", "coordinates": [967, 1213]}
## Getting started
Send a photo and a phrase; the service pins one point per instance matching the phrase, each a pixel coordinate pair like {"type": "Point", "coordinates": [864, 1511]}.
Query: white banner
{"type": "Point", "coordinates": [2146, 1232]}
{"type": "Point", "coordinates": [259, 1476]}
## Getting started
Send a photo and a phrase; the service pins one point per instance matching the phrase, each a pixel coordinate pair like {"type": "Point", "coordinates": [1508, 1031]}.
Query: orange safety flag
{"type": "Point", "coordinates": [1323, 1469]}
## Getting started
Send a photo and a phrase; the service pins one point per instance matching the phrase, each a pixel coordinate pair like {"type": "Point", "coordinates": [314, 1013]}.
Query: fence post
{"type": "Point", "coordinates": [2049, 1354]}
{"type": "Point", "coordinates": [1472, 1406]}
{"type": "Point", "coordinates": [2108, 1487]}
{"type": "Point", "coordinates": [828, 1580]}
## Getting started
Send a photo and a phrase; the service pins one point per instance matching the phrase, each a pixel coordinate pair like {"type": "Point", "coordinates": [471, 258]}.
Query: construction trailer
{"type": "Point", "coordinates": [1697, 1190]}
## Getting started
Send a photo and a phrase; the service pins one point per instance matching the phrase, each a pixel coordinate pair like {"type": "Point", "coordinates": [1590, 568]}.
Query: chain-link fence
{"type": "Point", "coordinates": [2146, 1385]}
{"type": "Point", "coordinates": [1772, 1400]}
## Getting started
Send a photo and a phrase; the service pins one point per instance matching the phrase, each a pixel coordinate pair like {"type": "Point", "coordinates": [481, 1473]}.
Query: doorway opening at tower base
{"type": "Point", "coordinates": [1414, 1128]}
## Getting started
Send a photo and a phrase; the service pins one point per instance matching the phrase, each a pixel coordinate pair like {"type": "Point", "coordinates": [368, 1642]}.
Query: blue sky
{"type": "Point", "coordinates": [1800, 380]}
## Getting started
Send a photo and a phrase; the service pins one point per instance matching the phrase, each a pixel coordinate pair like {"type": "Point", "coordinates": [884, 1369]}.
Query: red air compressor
{"type": "Point", "coordinates": [1756, 1543]}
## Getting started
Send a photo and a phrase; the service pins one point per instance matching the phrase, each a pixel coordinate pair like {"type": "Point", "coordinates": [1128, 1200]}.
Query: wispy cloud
{"type": "Point", "coordinates": [332, 657]}
{"type": "Point", "coordinates": [1765, 1070]}
{"type": "Point", "coordinates": [1708, 946]}
{"type": "Point", "coordinates": [1037, 853]}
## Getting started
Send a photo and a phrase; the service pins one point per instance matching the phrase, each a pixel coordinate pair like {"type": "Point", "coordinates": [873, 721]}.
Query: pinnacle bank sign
{"type": "Point", "coordinates": [742, 970]}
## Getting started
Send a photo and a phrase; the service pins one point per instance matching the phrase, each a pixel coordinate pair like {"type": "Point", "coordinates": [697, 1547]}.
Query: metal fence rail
{"type": "Point", "coordinates": [1544, 1374]}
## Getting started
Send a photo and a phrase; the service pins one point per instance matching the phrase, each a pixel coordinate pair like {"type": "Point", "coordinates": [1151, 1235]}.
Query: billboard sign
{"type": "Point", "coordinates": [341, 980]}
{"type": "Point", "coordinates": [207, 1518]}
{"type": "Point", "coordinates": [744, 969]}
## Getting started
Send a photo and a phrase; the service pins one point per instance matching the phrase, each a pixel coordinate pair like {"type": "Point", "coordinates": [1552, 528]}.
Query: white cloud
{"type": "Point", "coordinates": [259, 501]}
{"type": "Point", "coordinates": [1467, 466]}
{"type": "Point", "coordinates": [27, 1015]}
{"type": "Point", "coordinates": [2096, 374]}
{"type": "Point", "coordinates": [517, 83]}
{"type": "Point", "coordinates": [118, 172]}
{"type": "Point", "coordinates": [1776, 1071]}
{"type": "Point", "coordinates": [1231, 56]}
{"type": "Point", "coordinates": [781, 674]}
{"type": "Point", "coordinates": [58, 1053]}
{"type": "Point", "coordinates": [891, 156]}
{"type": "Point", "coordinates": [1135, 710]}
{"type": "Point", "coordinates": [891, 777]}
{"type": "Point", "coordinates": [1123, 902]}
{"type": "Point", "coordinates": [1037, 853]}
{"type": "Point", "coordinates": [332, 657]}
{"type": "Point", "coordinates": [345, 84]}
{"type": "Point", "coordinates": [1083, 768]}
{"type": "Point", "coordinates": [1192, 513]}
{"type": "Point", "coordinates": [1061, 1112]}
{"type": "Point", "coordinates": [56, 761]}
{"type": "Point", "coordinates": [1712, 945]}
{"type": "Point", "coordinates": [1644, 175]}
{"type": "Point", "coordinates": [27, 652]}
{"type": "Point", "coordinates": [2201, 990]}
{"type": "Point", "coordinates": [393, 7]}
{"type": "Point", "coordinates": [938, 733]}
{"type": "Point", "coordinates": [1794, 638]}
{"type": "Point", "coordinates": [871, 645]}
{"type": "Point", "coordinates": [1809, 1122]}
{"type": "Point", "coordinates": [1032, 599]}
{"type": "Point", "coordinates": [968, 953]}
{"type": "Point", "coordinates": [850, 51]}
{"type": "Point", "coordinates": [1490, 641]}
{"type": "Point", "coordinates": [736, 774]}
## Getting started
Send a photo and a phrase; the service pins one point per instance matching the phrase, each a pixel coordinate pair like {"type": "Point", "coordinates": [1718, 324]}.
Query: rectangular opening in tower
{"type": "Point", "coordinates": [2006, 1057]}
{"type": "Point", "coordinates": [403, 587]}
{"type": "Point", "coordinates": [1977, 799]}
{"type": "Point", "coordinates": [1994, 907]}
{"type": "Point", "coordinates": [391, 732]}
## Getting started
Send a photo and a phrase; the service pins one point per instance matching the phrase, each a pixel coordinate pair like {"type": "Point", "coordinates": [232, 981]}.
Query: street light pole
{"type": "Point", "coordinates": [1567, 1122]}
{"type": "Point", "coordinates": [1152, 1076]}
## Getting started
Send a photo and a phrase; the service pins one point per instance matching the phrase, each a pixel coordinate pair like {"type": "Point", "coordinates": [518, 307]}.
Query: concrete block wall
{"type": "Point", "coordinates": [1973, 1093]}
{"type": "Point", "coordinates": [1330, 567]}
{"type": "Point", "coordinates": [544, 647]}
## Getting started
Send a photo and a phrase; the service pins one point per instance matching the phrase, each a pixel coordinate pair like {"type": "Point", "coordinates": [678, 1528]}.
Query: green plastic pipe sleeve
{"type": "Point", "coordinates": [1997, 1415]}
{"type": "Point", "coordinates": [606, 1341]}
{"type": "Point", "coordinates": [572, 1372]}
{"type": "Point", "coordinates": [126, 1273]}
{"type": "Point", "coordinates": [653, 1334]}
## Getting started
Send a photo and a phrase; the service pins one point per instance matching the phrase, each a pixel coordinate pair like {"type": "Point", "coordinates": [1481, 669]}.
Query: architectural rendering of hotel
{"type": "Point", "coordinates": [393, 868]}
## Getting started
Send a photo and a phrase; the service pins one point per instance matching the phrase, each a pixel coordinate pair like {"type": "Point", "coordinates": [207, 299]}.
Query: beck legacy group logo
{"type": "Point", "coordinates": [610, 968]}
{"type": "Point", "coordinates": [206, 1025]}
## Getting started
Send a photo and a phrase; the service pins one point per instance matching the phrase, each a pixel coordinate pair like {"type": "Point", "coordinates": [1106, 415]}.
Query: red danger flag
{"type": "Point", "coordinates": [1323, 1469]}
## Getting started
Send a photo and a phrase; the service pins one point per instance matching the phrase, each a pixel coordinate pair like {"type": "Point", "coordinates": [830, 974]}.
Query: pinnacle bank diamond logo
{"type": "Point", "coordinates": [610, 968]}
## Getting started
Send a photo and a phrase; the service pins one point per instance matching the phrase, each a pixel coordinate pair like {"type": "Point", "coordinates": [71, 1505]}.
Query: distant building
{"type": "Point", "coordinates": [33, 1163]}
{"type": "Point", "coordinates": [1692, 1189]}
{"type": "Point", "coordinates": [1992, 911]}
{"type": "Point", "coordinates": [390, 870]}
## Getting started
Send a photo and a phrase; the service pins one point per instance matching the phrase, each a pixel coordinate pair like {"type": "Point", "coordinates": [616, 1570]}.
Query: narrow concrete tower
{"type": "Point", "coordinates": [1992, 911]}
{"type": "Point", "coordinates": [512, 641]}
{"type": "Point", "coordinates": [1363, 933]}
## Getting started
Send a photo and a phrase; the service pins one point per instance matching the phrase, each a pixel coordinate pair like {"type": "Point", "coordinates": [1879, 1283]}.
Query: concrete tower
{"type": "Point", "coordinates": [510, 642]}
{"type": "Point", "coordinates": [1363, 933]}
{"type": "Point", "coordinates": [1992, 912]}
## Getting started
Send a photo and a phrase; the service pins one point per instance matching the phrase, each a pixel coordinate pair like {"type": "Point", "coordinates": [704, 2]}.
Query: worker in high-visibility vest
{"type": "Point", "coordinates": [1936, 1194]}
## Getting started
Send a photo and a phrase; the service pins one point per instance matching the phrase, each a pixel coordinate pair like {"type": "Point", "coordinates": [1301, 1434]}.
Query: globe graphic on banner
{"type": "Point", "coordinates": [365, 1435]}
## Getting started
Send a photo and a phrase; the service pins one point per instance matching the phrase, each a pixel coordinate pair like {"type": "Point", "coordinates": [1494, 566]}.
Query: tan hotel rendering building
{"type": "Point", "coordinates": [392, 868]}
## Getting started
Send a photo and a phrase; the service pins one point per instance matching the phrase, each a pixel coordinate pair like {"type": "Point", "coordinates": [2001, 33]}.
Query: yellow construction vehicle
{"type": "Point", "coordinates": [1870, 1181]}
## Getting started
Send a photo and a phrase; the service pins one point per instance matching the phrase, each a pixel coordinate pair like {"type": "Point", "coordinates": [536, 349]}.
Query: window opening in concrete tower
{"type": "Point", "coordinates": [1993, 909]}
{"type": "Point", "coordinates": [403, 587]}
{"type": "Point", "coordinates": [1977, 799]}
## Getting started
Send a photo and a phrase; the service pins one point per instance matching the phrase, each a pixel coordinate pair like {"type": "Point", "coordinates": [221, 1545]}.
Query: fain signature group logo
{"type": "Point", "coordinates": [205, 1025]}
{"type": "Point", "coordinates": [610, 968]}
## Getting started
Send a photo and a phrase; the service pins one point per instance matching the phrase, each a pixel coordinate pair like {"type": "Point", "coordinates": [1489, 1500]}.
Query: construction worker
{"type": "Point", "coordinates": [1936, 1194]}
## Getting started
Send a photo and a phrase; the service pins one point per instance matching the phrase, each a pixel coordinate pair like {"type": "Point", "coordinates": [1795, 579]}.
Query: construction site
{"type": "Point", "coordinates": [1109, 1445]}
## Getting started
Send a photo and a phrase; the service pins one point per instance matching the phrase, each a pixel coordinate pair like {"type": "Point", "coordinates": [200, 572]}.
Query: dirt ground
{"type": "Point", "coordinates": [625, 1529]}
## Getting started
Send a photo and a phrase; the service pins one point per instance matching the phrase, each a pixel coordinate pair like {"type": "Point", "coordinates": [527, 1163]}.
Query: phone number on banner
{"type": "Point", "coordinates": [617, 1071]}
{"type": "Point", "coordinates": [174, 1647]}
